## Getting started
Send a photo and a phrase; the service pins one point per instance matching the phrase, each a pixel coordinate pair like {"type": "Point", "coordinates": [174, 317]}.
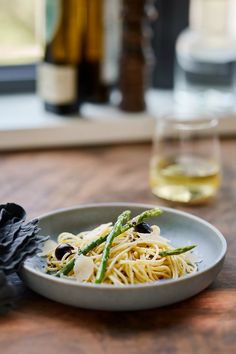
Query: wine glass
{"type": "Point", "coordinates": [185, 165]}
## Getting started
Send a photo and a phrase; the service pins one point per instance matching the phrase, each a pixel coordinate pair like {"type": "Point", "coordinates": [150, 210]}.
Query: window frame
{"type": "Point", "coordinates": [17, 78]}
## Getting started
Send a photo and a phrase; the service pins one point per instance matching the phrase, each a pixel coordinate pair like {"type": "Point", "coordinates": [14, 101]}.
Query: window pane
{"type": "Point", "coordinates": [21, 25]}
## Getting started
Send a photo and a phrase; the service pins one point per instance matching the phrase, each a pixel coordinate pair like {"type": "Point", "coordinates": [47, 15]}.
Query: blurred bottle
{"type": "Point", "coordinates": [171, 19]}
{"type": "Point", "coordinates": [59, 72]}
{"type": "Point", "coordinates": [206, 56]}
{"type": "Point", "coordinates": [95, 89]}
{"type": "Point", "coordinates": [133, 75]}
{"type": "Point", "coordinates": [112, 41]}
{"type": "Point", "coordinates": [101, 49]}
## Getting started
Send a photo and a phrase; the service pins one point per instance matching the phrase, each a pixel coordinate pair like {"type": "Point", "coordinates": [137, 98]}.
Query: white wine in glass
{"type": "Point", "coordinates": [185, 164]}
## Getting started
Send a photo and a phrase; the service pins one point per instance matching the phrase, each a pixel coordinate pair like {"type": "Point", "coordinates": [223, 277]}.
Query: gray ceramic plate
{"type": "Point", "coordinates": [181, 228]}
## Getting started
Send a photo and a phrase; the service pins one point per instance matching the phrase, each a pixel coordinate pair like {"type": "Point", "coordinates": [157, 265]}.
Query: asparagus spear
{"type": "Point", "coordinates": [69, 266]}
{"type": "Point", "coordinates": [137, 220]}
{"type": "Point", "coordinates": [132, 223]}
{"type": "Point", "coordinates": [176, 251]}
{"type": "Point", "coordinates": [105, 255]}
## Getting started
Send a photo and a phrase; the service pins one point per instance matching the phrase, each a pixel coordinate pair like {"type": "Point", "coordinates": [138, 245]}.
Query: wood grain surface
{"type": "Point", "coordinates": [45, 180]}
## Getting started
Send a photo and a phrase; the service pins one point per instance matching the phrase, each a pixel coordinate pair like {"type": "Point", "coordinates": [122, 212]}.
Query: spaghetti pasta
{"type": "Point", "coordinates": [134, 257]}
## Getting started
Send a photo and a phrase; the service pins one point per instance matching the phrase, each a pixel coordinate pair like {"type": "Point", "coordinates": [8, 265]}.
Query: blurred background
{"type": "Point", "coordinates": [119, 60]}
{"type": "Point", "coordinates": [22, 34]}
{"type": "Point", "coordinates": [21, 44]}
{"type": "Point", "coordinates": [21, 31]}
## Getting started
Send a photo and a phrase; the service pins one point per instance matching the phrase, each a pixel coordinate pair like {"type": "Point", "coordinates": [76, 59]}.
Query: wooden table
{"type": "Point", "coordinates": [45, 180]}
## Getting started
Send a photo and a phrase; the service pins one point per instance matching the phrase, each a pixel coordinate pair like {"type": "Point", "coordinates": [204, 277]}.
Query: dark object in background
{"type": "Point", "coordinates": [132, 59]}
{"type": "Point", "coordinates": [171, 20]}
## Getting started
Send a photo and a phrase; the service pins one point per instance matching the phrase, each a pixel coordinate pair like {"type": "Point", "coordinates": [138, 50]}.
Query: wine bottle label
{"type": "Point", "coordinates": [57, 83]}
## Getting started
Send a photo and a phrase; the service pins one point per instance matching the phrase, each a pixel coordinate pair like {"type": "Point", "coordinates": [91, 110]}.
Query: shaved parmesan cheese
{"type": "Point", "coordinates": [48, 247]}
{"type": "Point", "coordinates": [192, 257]}
{"type": "Point", "coordinates": [147, 237]}
{"type": "Point", "coordinates": [101, 230]}
{"type": "Point", "coordinates": [156, 229]}
{"type": "Point", "coordinates": [83, 268]}
{"type": "Point", "coordinates": [152, 236]}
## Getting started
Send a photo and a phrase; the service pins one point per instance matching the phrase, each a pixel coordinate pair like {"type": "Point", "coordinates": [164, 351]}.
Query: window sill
{"type": "Point", "coordinates": [25, 125]}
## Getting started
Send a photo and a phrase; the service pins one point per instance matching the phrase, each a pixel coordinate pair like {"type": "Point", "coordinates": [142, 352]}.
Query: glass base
{"type": "Point", "coordinates": [185, 194]}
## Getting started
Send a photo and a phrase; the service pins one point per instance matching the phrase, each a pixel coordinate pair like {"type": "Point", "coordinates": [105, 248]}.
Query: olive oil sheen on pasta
{"type": "Point", "coordinates": [186, 179]}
